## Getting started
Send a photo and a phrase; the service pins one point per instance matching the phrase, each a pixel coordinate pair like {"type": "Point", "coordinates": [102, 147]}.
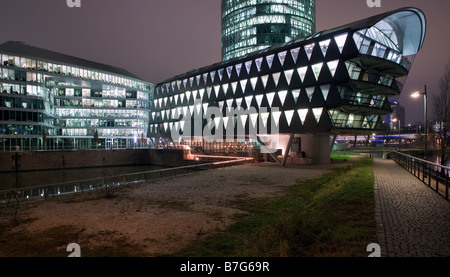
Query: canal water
{"type": "Point", "coordinates": [49, 177]}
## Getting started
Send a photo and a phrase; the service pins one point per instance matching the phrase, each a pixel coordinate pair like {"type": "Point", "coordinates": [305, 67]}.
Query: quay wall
{"type": "Point", "coordinates": [49, 160]}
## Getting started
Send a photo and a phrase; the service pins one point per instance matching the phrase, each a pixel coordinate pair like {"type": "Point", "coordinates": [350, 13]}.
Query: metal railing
{"type": "Point", "coordinates": [18, 195]}
{"type": "Point", "coordinates": [434, 175]}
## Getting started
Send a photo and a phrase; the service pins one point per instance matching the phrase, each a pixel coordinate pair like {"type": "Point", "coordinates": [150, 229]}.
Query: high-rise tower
{"type": "Point", "coordinates": [251, 25]}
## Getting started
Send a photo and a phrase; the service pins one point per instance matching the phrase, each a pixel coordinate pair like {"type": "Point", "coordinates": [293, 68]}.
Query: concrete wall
{"type": "Point", "coordinates": [32, 161]}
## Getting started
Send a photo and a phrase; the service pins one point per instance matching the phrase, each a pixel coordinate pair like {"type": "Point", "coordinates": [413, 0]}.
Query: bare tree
{"type": "Point", "coordinates": [441, 104]}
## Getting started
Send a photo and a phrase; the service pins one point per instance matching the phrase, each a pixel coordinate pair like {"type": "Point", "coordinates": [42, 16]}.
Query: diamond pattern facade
{"type": "Point", "coordinates": [335, 81]}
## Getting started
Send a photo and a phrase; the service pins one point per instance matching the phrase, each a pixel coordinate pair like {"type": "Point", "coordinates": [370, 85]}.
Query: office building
{"type": "Point", "coordinates": [251, 25]}
{"type": "Point", "coordinates": [334, 82]}
{"type": "Point", "coordinates": [53, 101]}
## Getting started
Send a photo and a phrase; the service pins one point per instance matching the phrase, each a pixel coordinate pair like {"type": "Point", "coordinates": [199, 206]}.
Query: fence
{"type": "Point", "coordinates": [434, 175]}
{"type": "Point", "coordinates": [19, 195]}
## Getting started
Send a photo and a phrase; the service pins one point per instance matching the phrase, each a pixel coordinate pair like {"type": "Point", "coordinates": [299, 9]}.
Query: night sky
{"type": "Point", "coordinates": [158, 39]}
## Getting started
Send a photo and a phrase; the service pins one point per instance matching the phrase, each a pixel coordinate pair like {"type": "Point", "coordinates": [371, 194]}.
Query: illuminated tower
{"type": "Point", "coordinates": [252, 25]}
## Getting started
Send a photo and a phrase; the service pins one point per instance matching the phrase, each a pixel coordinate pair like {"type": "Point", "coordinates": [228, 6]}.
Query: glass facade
{"type": "Point", "coordinates": [252, 25]}
{"type": "Point", "coordinates": [53, 104]}
{"type": "Point", "coordinates": [334, 82]}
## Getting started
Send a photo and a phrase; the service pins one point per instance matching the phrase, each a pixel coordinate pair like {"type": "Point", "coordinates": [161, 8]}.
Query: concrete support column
{"type": "Point", "coordinates": [317, 148]}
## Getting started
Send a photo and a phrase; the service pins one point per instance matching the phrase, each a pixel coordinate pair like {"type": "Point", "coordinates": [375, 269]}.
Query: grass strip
{"type": "Point", "coordinates": [332, 216]}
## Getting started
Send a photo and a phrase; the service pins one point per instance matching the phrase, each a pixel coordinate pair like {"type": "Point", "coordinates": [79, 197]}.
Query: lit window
{"type": "Point", "coordinates": [289, 115]}
{"type": "Point", "coordinates": [294, 54]}
{"type": "Point", "coordinates": [225, 88]}
{"type": "Point", "coordinates": [248, 101]}
{"type": "Point", "coordinates": [276, 78]}
{"type": "Point", "coordinates": [269, 60]}
{"type": "Point", "coordinates": [270, 97]}
{"type": "Point", "coordinates": [248, 66]}
{"type": "Point", "coordinates": [238, 69]}
{"type": "Point", "coordinates": [244, 84]}
{"type": "Point", "coordinates": [253, 81]}
{"type": "Point", "coordinates": [317, 68]}
{"type": "Point", "coordinates": [282, 57]}
{"type": "Point", "coordinates": [254, 119]}
{"type": "Point", "coordinates": [340, 41]}
{"type": "Point", "coordinates": [230, 104]}
{"type": "Point", "coordinates": [303, 113]}
{"type": "Point", "coordinates": [258, 63]}
{"type": "Point", "coordinates": [324, 46]}
{"type": "Point", "coordinates": [302, 72]}
{"type": "Point", "coordinates": [317, 114]}
{"type": "Point", "coordinates": [296, 95]}
{"type": "Point", "coordinates": [276, 117]}
{"type": "Point", "coordinates": [259, 99]}
{"type": "Point", "coordinates": [229, 71]}
{"type": "Point", "coordinates": [310, 93]}
{"type": "Point", "coordinates": [288, 74]}
{"type": "Point", "coordinates": [244, 118]}
{"type": "Point", "coordinates": [264, 118]}
{"type": "Point", "coordinates": [220, 71]}
{"type": "Point", "coordinates": [188, 95]}
{"type": "Point", "coordinates": [264, 79]}
{"type": "Point", "coordinates": [333, 66]}
{"type": "Point", "coordinates": [234, 86]}
{"type": "Point", "coordinates": [216, 90]}
{"type": "Point", "coordinates": [325, 90]}
{"type": "Point", "coordinates": [282, 96]}
{"type": "Point", "coordinates": [309, 50]}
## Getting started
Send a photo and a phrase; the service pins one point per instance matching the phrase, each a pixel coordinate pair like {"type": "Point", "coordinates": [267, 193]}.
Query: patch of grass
{"type": "Point", "coordinates": [53, 242]}
{"type": "Point", "coordinates": [329, 216]}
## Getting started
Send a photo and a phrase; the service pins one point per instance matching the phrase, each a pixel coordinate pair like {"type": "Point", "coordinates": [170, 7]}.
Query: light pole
{"type": "Point", "coordinates": [399, 133]}
{"type": "Point", "coordinates": [415, 95]}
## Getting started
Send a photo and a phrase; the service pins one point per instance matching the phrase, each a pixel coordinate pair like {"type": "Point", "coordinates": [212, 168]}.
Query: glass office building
{"type": "Point", "coordinates": [251, 25]}
{"type": "Point", "coordinates": [334, 82]}
{"type": "Point", "coordinates": [54, 101]}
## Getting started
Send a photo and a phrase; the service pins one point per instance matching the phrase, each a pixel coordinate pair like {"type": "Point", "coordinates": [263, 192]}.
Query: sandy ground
{"type": "Point", "coordinates": [167, 215]}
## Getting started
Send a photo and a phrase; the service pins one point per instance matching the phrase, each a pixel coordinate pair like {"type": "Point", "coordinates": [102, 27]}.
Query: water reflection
{"type": "Point", "coordinates": [48, 177]}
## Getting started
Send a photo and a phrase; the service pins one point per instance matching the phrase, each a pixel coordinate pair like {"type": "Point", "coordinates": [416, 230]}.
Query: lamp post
{"type": "Point", "coordinates": [415, 95]}
{"type": "Point", "coordinates": [399, 133]}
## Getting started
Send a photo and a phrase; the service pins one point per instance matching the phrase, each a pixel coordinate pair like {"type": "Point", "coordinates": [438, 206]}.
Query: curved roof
{"type": "Point", "coordinates": [24, 49]}
{"type": "Point", "coordinates": [407, 25]}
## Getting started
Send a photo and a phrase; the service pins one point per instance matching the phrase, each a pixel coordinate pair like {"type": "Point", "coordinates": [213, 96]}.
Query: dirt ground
{"type": "Point", "coordinates": [164, 216]}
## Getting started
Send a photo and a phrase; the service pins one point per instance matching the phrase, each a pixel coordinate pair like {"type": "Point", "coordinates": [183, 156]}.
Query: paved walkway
{"type": "Point", "coordinates": [412, 219]}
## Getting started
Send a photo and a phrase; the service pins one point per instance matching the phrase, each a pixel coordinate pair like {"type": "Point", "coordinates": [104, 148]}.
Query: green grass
{"type": "Point", "coordinates": [330, 216]}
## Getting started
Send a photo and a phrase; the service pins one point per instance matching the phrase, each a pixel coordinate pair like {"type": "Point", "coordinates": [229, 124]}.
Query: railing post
{"type": "Point", "coordinates": [437, 179]}
{"type": "Point", "coordinates": [423, 172]}
{"type": "Point", "coordinates": [446, 184]}
{"type": "Point", "coordinates": [429, 175]}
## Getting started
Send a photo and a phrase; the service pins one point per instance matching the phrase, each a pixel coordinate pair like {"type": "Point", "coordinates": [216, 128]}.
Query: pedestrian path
{"type": "Point", "coordinates": [412, 219]}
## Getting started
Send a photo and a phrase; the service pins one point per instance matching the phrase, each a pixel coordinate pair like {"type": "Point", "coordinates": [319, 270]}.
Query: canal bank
{"type": "Point", "coordinates": [54, 160]}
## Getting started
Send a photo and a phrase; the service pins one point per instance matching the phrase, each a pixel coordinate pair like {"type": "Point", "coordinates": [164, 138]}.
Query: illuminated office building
{"type": "Point", "coordinates": [54, 101]}
{"type": "Point", "coordinates": [251, 25]}
{"type": "Point", "coordinates": [335, 82]}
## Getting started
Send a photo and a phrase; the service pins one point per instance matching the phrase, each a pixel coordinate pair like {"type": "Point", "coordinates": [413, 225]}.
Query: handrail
{"type": "Point", "coordinates": [102, 182]}
{"type": "Point", "coordinates": [422, 160]}
{"type": "Point", "coordinates": [434, 175]}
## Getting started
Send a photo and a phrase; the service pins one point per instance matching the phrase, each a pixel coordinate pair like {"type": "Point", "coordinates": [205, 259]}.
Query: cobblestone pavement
{"type": "Point", "coordinates": [412, 219]}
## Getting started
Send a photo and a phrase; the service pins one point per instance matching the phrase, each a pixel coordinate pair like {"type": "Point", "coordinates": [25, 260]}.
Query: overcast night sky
{"type": "Point", "coordinates": [158, 39]}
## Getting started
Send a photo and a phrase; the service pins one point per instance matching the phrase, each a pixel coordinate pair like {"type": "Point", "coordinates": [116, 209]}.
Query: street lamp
{"type": "Point", "coordinates": [416, 95]}
{"type": "Point", "coordinates": [399, 133]}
